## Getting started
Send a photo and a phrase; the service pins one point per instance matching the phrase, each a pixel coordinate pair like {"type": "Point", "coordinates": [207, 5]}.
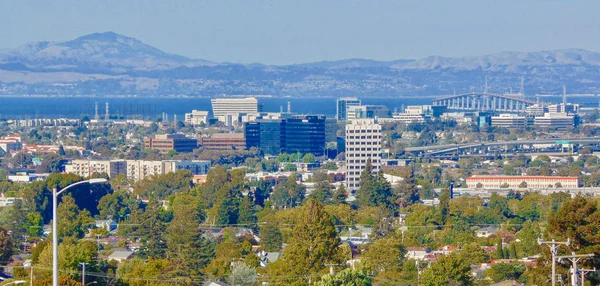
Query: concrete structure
{"type": "Point", "coordinates": [484, 101]}
{"type": "Point", "coordinates": [363, 142]}
{"type": "Point", "coordinates": [409, 118]}
{"type": "Point", "coordinates": [535, 110]}
{"type": "Point", "coordinates": [224, 141]}
{"type": "Point", "coordinates": [140, 169]}
{"type": "Point", "coordinates": [296, 134]}
{"type": "Point", "coordinates": [521, 182]}
{"type": "Point", "coordinates": [509, 121]}
{"type": "Point", "coordinates": [368, 111]}
{"type": "Point", "coordinates": [196, 117]}
{"type": "Point", "coordinates": [167, 142]}
{"type": "Point", "coordinates": [23, 177]}
{"type": "Point", "coordinates": [227, 110]}
{"type": "Point", "coordinates": [342, 105]}
{"type": "Point", "coordinates": [555, 120]}
{"type": "Point", "coordinates": [86, 168]}
{"type": "Point", "coordinates": [197, 167]}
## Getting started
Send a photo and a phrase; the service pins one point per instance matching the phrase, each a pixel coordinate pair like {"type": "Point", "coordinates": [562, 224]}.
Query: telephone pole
{"type": "Point", "coordinates": [554, 250]}
{"type": "Point", "coordinates": [585, 271]}
{"type": "Point", "coordinates": [574, 258]}
{"type": "Point", "coordinates": [83, 273]}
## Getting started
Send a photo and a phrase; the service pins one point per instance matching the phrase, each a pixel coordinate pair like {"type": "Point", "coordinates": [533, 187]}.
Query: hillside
{"type": "Point", "coordinates": [112, 64]}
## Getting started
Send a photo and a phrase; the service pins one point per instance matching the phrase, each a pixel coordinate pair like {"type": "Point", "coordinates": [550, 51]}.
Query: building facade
{"type": "Point", "coordinates": [297, 134]}
{"type": "Point", "coordinates": [363, 142]}
{"type": "Point", "coordinates": [86, 168]}
{"type": "Point", "coordinates": [521, 182]}
{"type": "Point", "coordinates": [229, 109]}
{"type": "Point", "coordinates": [196, 117]}
{"type": "Point", "coordinates": [342, 105]}
{"type": "Point", "coordinates": [167, 142]}
{"type": "Point", "coordinates": [555, 120]}
{"type": "Point", "coordinates": [509, 121]}
{"type": "Point", "coordinates": [224, 141]}
{"type": "Point", "coordinates": [368, 111]}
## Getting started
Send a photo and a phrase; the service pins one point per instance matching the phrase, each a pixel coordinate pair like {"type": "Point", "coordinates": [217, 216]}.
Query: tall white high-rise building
{"type": "Point", "coordinates": [363, 141]}
{"type": "Point", "coordinates": [229, 109]}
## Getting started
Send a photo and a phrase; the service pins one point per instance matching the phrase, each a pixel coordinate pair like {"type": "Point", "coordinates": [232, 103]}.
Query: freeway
{"type": "Point", "coordinates": [452, 147]}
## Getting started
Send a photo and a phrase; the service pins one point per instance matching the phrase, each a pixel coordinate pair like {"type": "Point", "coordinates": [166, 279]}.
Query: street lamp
{"type": "Point", "coordinates": [55, 195]}
{"type": "Point", "coordinates": [15, 282]}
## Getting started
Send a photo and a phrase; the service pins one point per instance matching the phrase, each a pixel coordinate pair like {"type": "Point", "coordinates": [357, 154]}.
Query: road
{"type": "Point", "coordinates": [451, 147]}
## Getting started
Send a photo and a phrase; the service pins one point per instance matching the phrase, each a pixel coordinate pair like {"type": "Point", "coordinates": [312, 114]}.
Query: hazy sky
{"type": "Point", "coordinates": [286, 31]}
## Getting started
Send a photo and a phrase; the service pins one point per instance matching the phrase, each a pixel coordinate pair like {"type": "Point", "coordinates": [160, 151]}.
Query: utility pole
{"type": "Point", "coordinates": [574, 258]}
{"type": "Point", "coordinates": [554, 250]}
{"type": "Point", "coordinates": [585, 271]}
{"type": "Point", "coordinates": [83, 273]}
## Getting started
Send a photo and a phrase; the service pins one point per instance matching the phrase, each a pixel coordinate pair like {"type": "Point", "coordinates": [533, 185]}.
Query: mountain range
{"type": "Point", "coordinates": [108, 63]}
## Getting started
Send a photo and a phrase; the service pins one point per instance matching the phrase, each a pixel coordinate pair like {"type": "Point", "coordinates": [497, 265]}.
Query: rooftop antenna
{"type": "Point", "coordinates": [106, 114]}
{"type": "Point", "coordinates": [564, 94]}
{"type": "Point", "coordinates": [96, 115]}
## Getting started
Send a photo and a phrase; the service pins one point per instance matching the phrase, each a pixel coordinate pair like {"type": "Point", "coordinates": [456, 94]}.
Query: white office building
{"type": "Point", "coordinates": [409, 118]}
{"type": "Point", "coordinates": [509, 121]}
{"type": "Point", "coordinates": [228, 110]}
{"type": "Point", "coordinates": [342, 106]}
{"type": "Point", "coordinates": [197, 117]}
{"type": "Point", "coordinates": [363, 142]}
{"type": "Point", "coordinates": [554, 120]}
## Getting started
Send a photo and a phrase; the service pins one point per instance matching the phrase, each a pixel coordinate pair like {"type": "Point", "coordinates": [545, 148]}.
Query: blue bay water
{"type": "Point", "coordinates": [74, 107]}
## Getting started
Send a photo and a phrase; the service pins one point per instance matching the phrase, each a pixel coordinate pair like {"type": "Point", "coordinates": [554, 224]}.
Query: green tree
{"type": "Point", "coordinates": [346, 277]}
{"type": "Point", "coordinates": [308, 158]}
{"type": "Point", "coordinates": [374, 190]}
{"type": "Point", "coordinates": [6, 245]}
{"type": "Point", "coordinates": [340, 195]}
{"type": "Point", "coordinates": [314, 243]}
{"type": "Point", "coordinates": [384, 254]}
{"type": "Point", "coordinates": [242, 274]}
{"type": "Point", "coordinates": [188, 247]}
{"type": "Point", "coordinates": [270, 237]}
{"type": "Point", "coordinates": [448, 270]}
{"type": "Point", "coordinates": [247, 213]}
{"type": "Point", "coordinates": [289, 194]}
{"type": "Point", "coordinates": [152, 231]}
{"type": "Point", "coordinates": [72, 222]}
{"type": "Point", "coordinates": [505, 271]}
{"type": "Point", "coordinates": [34, 225]}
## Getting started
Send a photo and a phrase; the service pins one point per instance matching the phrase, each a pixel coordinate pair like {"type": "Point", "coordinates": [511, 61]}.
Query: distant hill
{"type": "Point", "coordinates": [112, 64]}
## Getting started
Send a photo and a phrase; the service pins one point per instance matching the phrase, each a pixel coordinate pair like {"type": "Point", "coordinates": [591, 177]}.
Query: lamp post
{"type": "Point", "coordinates": [55, 195]}
{"type": "Point", "coordinates": [16, 282]}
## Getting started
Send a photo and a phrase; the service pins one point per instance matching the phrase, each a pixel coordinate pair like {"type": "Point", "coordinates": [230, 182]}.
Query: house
{"type": "Point", "coordinates": [107, 224]}
{"type": "Point", "coordinates": [120, 254]}
{"type": "Point", "coordinates": [486, 231]}
{"type": "Point", "coordinates": [446, 249]}
{"type": "Point", "coordinates": [268, 257]}
{"type": "Point", "coordinates": [417, 253]}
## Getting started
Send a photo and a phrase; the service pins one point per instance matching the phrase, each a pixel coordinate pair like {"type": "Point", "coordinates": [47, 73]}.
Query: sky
{"type": "Point", "coordinates": [289, 31]}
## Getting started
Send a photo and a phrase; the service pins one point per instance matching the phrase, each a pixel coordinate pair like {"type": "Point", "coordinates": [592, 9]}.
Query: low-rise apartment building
{"type": "Point", "coordinates": [521, 182]}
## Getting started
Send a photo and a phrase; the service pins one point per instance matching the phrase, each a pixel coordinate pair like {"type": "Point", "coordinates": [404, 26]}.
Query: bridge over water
{"type": "Point", "coordinates": [484, 102]}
